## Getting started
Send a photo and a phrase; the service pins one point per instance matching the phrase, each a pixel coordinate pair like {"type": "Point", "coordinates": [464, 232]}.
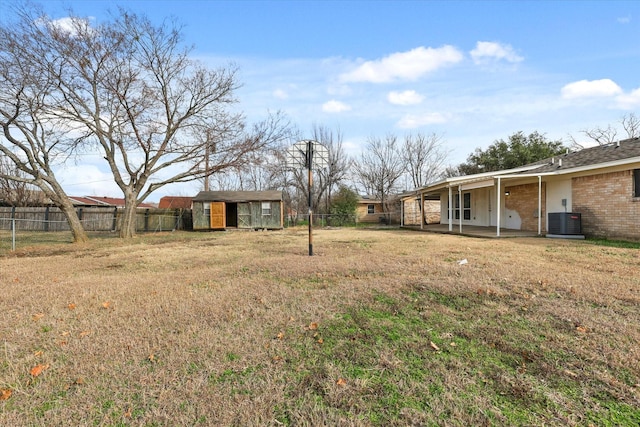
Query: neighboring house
{"type": "Point", "coordinates": [105, 201]}
{"type": "Point", "coordinates": [219, 210]}
{"type": "Point", "coordinates": [175, 202]}
{"type": "Point", "coordinates": [598, 186]}
{"type": "Point", "coordinates": [371, 209]}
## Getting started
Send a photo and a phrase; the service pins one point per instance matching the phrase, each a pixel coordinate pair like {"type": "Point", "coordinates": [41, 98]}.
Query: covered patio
{"type": "Point", "coordinates": [473, 231]}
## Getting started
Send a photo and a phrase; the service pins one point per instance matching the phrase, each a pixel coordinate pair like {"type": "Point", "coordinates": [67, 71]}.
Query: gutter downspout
{"type": "Point", "coordinates": [450, 209]}
{"type": "Point", "coordinates": [498, 209]}
{"type": "Point", "coordinates": [539, 205]}
{"type": "Point", "coordinates": [401, 213]}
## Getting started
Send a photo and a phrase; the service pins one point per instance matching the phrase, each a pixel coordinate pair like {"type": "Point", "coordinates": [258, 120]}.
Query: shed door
{"type": "Point", "coordinates": [244, 215]}
{"type": "Point", "coordinates": [217, 215]}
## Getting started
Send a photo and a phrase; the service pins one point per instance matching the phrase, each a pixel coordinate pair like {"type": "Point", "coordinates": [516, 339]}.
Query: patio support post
{"type": "Point", "coordinates": [539, 205]}
{"type": "Point", "coordinates": [460, 208]}
{"type": "Point", "coordinates": [498, 209]}
{"type": "Point", "coordinates": [450, 209]}
{"type": "Point", "coordinates": [421, 211]}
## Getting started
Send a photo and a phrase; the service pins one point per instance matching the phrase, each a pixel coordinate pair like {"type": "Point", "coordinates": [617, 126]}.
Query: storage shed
{"type": "Point", "coordinates": [220, 210]}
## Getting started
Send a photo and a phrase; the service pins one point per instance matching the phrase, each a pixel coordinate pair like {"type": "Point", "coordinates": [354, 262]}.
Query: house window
{"type": "Point", "coordinates": [207, 210]}
{"type": "Point", "coordinates": [266, 209]}
{"type": "Point", "coordinates": [466, 207]}
{"type": "Point", "coordinates": [371, 209]}
{"type": "Point", "coordinates": [636, 183]}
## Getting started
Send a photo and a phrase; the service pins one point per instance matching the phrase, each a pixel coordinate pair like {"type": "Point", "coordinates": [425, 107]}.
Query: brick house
{"type": "Point", "coordinates": [599, 187]}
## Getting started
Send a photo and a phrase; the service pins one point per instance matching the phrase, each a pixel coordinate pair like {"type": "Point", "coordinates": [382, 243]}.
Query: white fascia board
{"type": "Point", "coordinates": [615, 163]}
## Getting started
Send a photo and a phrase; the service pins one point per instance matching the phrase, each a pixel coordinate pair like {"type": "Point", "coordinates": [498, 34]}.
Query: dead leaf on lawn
{"type": "Point", "coordinates": [71, 306]}
{"type": "Point", "coordinates": [37, 316]}
{"type": "Point", "coordinates": [434, 346]}
{"type": "Point", "coordinates": [38, 369]}
{"type": "Point", "coordinates": [341, 382]}
{"type": "Point", "coordinates": [320, 341]}
{"type": "Point", "coordinates": [280, 335]}
{"type": "Point", "coordinates": [581, 329]}
{"type": "Point", "coordinates": [313, 326]}
{"type": "Point", "coordinates": [5, 394]}
{"type": "Point", "coordinates": [84, 333]}
{"type": "Point", "coordinates": [106, 304]}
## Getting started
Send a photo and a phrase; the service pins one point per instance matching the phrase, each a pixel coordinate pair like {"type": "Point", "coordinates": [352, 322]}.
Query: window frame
{"type": "Point", "coordinates": [371, 209]}
{"type": "Point", "coordinates": [636, 183]}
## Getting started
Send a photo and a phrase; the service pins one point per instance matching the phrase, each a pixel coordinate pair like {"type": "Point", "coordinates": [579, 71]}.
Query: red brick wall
{"type": "Point", "coordinates": [607, 205]}
{"type": "Point", "coordinates": [524, 200]}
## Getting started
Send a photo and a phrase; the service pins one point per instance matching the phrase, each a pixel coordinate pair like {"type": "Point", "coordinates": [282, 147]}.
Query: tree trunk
{"type": "Point", "coordinates": [77, 229]}
{"type": "Point", "coordinates": [128, 219]}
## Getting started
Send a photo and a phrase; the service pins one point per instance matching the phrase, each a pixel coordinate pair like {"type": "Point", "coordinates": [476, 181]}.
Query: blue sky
{"type": "Point", "coordinates": [472, 72]}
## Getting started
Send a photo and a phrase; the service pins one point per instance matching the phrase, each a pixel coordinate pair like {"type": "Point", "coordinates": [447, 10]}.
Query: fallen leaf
{"type": "Point", "coordinates": [341, 381]}
{"type": "Point", "coordinates": [37, 316]}
{"type": "Point", "coordinates": [280, 335]}
{"type": "Point", "coordinates": [452, 344]}
{"type": "Point", "coordinates": [37, 353]}
{"type": "Point", "coordinates": [38, 369]}
{"type": "Point", "coordinates": [79, 381]}
{"type": "Point", "coordinates": [320, 341]}
{"type": "Point", "coordinates": [313, 326]}
{"type": "Point", "coordinates": [434, 346]}
{"type": "Point", "coordinates": [84, 333]}
{"type": "Point", "coordinates": [5, 394]}
{"type": "Point", "coordinates": [581, 329]}
{"type": "Point", "coordinates": [151, 358]}
{"type": "Point", "coordinates": [128, 413]}
{"type": "Point", "coordinates": [71, 306]}
{"type": "Point", "coordinates": [106, 304]}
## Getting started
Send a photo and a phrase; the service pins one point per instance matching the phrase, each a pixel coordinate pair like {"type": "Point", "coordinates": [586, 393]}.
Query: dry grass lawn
{"type": "Point", "coordinates": [379, 327]}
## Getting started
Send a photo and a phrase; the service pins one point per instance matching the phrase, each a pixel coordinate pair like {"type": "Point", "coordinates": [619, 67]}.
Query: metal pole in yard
{"type": "Point", "coordinates": [13, 234]}
{"type": "Point", "coordinates": [309, 167]}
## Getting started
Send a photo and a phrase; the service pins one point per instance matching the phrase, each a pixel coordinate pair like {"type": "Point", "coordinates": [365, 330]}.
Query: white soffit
{"type": "Point", "coordinates": [477, 184]}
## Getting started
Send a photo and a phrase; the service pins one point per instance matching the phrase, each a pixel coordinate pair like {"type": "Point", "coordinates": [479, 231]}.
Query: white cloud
{"type": "Point", "coordinates": [70, 25]}
{"type": "Point", "coordinates": [409, 65]}
{"type": "Point", "coordinates": [412, 121]}
{"type": "Point", "coordinates": [630, 100]}
{"type": "Point", "coordinates": [489, 52]}
{"type": "Point", "coordinates": [590, 89]}
{"type": "Point", "coordinates": [408, 97]}
{"type": "Point", "coordinates": [624, 19]}
{"type": "Point", "coordinates": [334, 106]}
{"type": "Point", "coordinates": [280, 94]}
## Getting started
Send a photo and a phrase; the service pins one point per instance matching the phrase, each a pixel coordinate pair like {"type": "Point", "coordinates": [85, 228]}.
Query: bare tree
{"type": "Point", "coordinates": [33, 141]}
{"type": "Point", "coordinates": [424, 157]}
{"type": "Point", "coordinates": [602, 136]}
{"type": "Point", "coordinates": [17, 193]}
{"type": "Point", "coordinates": [129, 89]}
{"type": "Point", "coordinates": [631, 124]}
{"type": "Point", "coordinates": [379, 167]}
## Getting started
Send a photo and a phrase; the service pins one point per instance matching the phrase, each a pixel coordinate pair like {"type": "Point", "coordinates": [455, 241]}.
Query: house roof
{"type": "Point", "coordinates": [175, 202]}
{"type": "Point", "coordinates": [626, 151]}
{"type": "Point", "coordinates": [238, 196]}
{"type": "Point", "coordinates": [619, 153]}
{"type": "Point", "coordinates": [103, 201]}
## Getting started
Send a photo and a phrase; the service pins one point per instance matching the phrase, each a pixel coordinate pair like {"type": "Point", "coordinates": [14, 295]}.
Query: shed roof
{"type": "Point", "coordinates": [238, 196]}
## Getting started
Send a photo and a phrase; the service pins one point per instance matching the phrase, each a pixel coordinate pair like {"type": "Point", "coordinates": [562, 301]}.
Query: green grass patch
{"type": "Point", "coordinates": [400, 364]}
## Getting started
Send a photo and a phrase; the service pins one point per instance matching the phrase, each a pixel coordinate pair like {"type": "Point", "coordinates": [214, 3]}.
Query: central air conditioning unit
{"type": "Point", "coordinates": [565, 223]}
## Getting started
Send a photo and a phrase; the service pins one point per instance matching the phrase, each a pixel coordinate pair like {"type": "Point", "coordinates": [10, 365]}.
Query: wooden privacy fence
{"type": "Point", "coordinates": [92, 218]}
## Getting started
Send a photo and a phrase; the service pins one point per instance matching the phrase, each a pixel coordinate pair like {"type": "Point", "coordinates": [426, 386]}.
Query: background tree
{"type": "Point", "coordinates": [129, 89]}
{"type": "Point", "coordinates": [33, 141]}
{"type": "Point", "coordinates": [379, 168]}
{"type": "Point", "coordinates": [325, 180]}
{"type": "Point", "coordinates": [17, 193]}
{"type": "Point", "coordinates": [424, 157]}
{"type": "Point", "coordinates": [343, 206]}
{"type": "Point", "coordinates": [518, 150]}
{"type": "Point", "coordinates": [630, 124]}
